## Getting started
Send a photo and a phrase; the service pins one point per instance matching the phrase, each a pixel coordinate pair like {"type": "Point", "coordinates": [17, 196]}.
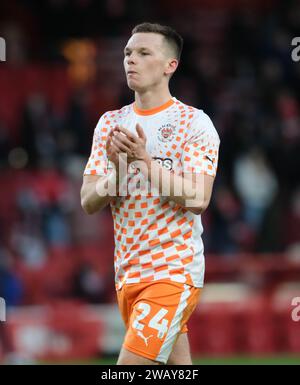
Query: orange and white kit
{"type": "Point", "coordinates": [155, 238]}
{"type": "Point", "coordinates": [155, 314]}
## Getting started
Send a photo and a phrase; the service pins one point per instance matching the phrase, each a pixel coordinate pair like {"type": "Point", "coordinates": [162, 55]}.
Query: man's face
{"type": "Point", "coordinates": [146, 61]}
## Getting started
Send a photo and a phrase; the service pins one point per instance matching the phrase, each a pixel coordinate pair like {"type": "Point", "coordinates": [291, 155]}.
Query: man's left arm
{"type": "Point", "coordinates": [193, 188]}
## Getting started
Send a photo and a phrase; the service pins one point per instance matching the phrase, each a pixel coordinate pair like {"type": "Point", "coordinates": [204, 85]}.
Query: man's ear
{"type": "Point", "coordinates": [171, 66]}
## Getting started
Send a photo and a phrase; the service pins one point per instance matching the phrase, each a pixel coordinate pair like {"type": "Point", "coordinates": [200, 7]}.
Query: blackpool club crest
{"type": "Point", "coordinates": [166, 132]}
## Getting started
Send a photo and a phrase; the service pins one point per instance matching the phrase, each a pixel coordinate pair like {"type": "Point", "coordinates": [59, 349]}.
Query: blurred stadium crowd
{"type": "Point", "coordinates": [64, 69]}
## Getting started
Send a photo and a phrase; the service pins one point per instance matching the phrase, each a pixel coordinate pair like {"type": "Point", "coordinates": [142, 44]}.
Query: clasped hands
{"type": "Point", "coordinates": [122, 141]}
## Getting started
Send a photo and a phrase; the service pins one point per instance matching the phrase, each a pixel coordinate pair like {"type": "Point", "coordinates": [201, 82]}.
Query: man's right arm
{"type": "Point", "coordinates": [98, 191]}
{"type": "Point", "coordinates": [93, 193]}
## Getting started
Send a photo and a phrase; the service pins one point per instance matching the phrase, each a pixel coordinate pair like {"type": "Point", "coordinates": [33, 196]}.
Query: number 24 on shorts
{"type": "Point", "coordinates": [157, 322]}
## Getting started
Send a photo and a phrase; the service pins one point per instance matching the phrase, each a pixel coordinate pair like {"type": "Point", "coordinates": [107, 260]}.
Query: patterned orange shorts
{"type": "Point", "coordinates": [155, 313]}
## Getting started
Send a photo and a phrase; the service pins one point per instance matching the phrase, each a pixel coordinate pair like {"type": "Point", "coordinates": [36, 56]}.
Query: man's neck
{"type": "Point", "coordinates": [148, 100]}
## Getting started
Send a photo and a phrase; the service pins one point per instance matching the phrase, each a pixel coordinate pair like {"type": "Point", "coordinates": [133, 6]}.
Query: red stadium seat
{"type": "Point", "coordinates": [258, 327]}
{"type": "Point", "coordinates": [213, 329]}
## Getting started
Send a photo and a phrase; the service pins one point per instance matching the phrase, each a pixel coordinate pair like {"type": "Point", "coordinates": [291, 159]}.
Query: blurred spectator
{"type": "Point", "coordinates": [226, 213]}
{"type": "Point", "coordinates": [291, 224]}
{"type": "Point", "coordinates": [10, 284]}
{"type": "Point", "coordinates": [39, 131]}
{"type": "Point", "coordinates": [256, 186]}
{"type": "Point", "coordinates": [89, 285]}
{"type": "Point", "coordinates": [4, 146]}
